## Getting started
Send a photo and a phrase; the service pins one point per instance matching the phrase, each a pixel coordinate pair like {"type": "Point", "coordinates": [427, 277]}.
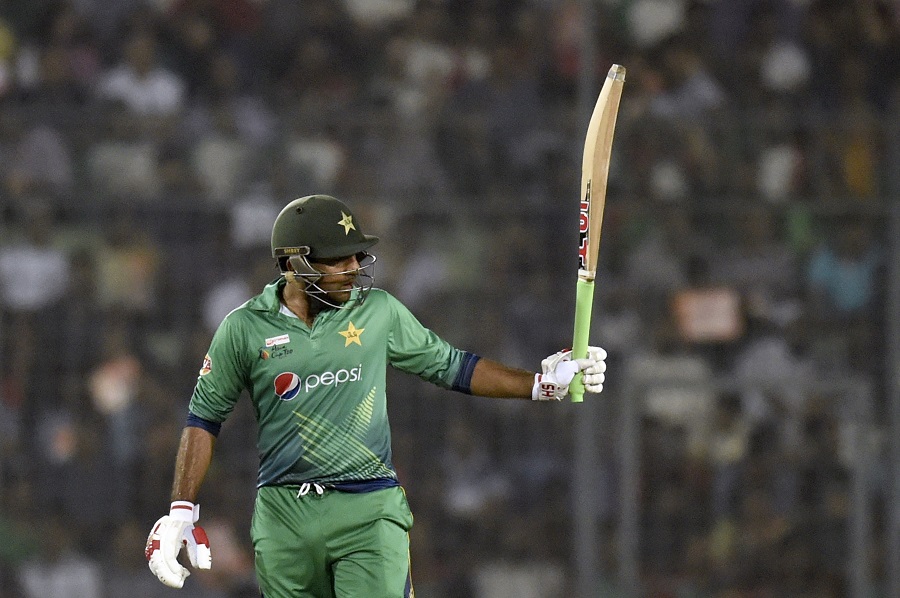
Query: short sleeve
{"type": "Point", "coordinates": [222, 375]}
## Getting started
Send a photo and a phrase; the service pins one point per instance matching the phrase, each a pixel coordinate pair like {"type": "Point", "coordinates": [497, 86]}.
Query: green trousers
{"type": "Point", "coordinates": [332, 545]}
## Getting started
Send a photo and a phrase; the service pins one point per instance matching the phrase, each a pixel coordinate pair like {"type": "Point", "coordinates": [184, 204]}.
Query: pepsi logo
{"type": "Point", "coordinates": [287, 386]}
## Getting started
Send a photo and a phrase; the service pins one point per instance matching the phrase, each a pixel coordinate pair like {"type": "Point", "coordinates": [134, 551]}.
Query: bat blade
{"type": "Point", "coordinates": [594, 175]}
{"type": "Point", "coordinates": [595, 169]}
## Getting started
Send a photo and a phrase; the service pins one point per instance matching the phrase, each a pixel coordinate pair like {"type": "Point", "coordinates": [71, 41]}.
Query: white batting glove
{"type": "Point", "coordinates": [169, 535]}
{"type": "Point", "coordinates": [559, 369]}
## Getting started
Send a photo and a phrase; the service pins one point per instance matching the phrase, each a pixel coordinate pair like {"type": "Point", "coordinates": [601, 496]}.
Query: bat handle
{"type": "Point", "coordinates": [584, 302]}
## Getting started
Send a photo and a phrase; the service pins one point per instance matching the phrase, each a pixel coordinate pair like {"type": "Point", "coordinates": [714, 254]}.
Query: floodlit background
{"type": "Point", "coordinates": [748, 441]}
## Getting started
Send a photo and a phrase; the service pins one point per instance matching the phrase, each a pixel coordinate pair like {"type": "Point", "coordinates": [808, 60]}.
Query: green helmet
{"type": "Point", "coordinates": [317, 227]}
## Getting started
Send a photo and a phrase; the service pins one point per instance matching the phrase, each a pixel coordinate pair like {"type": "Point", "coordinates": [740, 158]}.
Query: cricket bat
{"type": "Point", "coordinates": [594, 173]}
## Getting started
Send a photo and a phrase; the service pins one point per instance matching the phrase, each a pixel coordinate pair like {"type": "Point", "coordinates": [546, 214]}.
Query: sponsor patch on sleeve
{"type": "Point", "coordinates": [207, 365]}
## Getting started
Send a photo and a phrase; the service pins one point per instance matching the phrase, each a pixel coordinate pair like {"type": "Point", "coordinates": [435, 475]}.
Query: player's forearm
{"type": "Point", "coordinates": [493, 379]}
{"type": "Point", "coordinates": [194, 456]}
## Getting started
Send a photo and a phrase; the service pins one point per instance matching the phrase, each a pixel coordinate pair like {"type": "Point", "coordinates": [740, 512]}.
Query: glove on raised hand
{"type": "Point", "coordinates": [559, 369]}
{"type": "Point", "coordinates": [169, 535]}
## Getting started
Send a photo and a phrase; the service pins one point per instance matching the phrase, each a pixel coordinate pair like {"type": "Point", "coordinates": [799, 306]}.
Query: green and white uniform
{"type": "Point", "coordinates": [319, 392]}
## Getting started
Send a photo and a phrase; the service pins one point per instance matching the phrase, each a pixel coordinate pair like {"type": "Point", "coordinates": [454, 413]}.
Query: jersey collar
{"type": "Point", "coordinates": [268, 299]}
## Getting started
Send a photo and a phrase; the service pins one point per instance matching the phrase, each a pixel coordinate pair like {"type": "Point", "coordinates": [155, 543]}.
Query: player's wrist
{"type": "Point", "coordinates": [543, 389]}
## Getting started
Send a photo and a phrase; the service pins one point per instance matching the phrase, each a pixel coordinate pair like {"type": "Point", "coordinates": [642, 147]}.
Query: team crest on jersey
{"type": "Point", "coordinates": [207, 365]}
{"type": "Point", "coordinates": [287, 386]}
{"type": "Point", "coordinates": [351, 335]}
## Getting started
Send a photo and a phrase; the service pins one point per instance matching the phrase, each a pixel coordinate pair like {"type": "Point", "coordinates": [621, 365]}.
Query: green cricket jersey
{"type": "Point", "coordinates": [319, 393]}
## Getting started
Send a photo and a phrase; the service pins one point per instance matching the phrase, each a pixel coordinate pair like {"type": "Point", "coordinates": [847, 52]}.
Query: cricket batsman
{"type": "Point", "coordinates": [312, 350]}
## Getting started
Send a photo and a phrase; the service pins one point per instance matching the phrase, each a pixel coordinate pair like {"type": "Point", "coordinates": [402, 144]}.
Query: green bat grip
{"type": "Point", "coordinates": [584, 303]}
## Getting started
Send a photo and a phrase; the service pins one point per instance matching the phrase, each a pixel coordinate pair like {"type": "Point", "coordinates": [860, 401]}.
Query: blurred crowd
{"type": "Point", "coordinates": [147, 145]}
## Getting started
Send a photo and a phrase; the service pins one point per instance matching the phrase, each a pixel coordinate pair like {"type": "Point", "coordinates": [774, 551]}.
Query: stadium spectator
{"type": "Point", "coordinates": [220, 160]}
{"type": "Point", "coordinates": [409, 165]}
{"type": "Point", "coordinates": [74, 38]}
{"type": "Point", "coordinates": [843, 271]}
{"type": "Point", "coordinates": [756, 260]}
{"type": "Point", "coordinates": [140, 81]}
{"type": "Point", "coordinates": [844, 277]}
{"type": "Point", "coordinates": [34, 269]}
{"type": "Point", "coordinates": [658, 260]}
{"type": "Point", "coordinates": [62, 570]}
{"type": "Point", "coordinates": [227, 93]}
{"type": "Point", "coordinates": [121, 161]}
{"type": "Point", "coordinates": [782, 168]}
{"type": "Point", "coordinates": [691, 88]}
{"type": "Point", "coordinates": [128, 269]}
{"type": "Point", "coordinates": [41, 164]}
